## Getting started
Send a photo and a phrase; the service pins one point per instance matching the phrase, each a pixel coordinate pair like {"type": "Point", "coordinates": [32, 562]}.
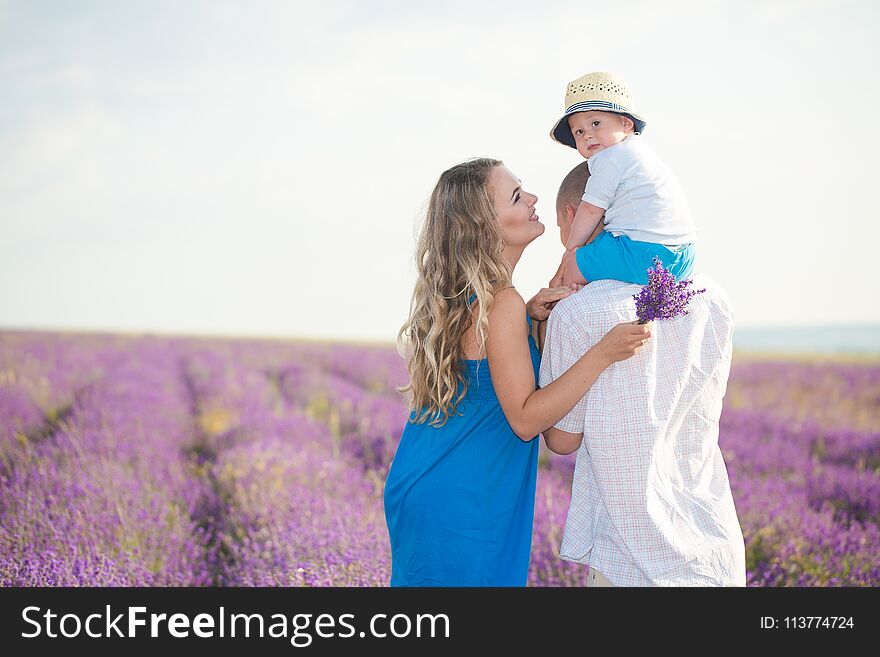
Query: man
{"type": "Point", "coordinates": [651, 502]}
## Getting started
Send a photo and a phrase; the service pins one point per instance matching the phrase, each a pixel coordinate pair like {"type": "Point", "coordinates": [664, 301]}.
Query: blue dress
{"type": "Point", "coordinates": [460, 499]}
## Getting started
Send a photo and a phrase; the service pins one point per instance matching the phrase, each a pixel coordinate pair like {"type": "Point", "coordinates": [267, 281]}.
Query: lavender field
{"type": "Point", "coordinates": [180, 461]}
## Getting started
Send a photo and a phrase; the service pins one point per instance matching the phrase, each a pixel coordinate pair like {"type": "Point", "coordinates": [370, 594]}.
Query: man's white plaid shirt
{"type": "Point", "coordinates": [650, 502]}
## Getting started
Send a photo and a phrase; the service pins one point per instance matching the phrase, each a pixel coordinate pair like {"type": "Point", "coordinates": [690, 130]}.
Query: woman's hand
{"type": "Point", "coordinates": [624, 340]}
{"type": "Point", "coordinates": [540, 305]}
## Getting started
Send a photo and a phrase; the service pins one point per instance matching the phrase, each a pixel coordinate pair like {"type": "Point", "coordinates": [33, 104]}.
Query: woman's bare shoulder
{"type": "Point", "coordinates": [507, 299]}
{"type": "Point", "coordinates": [508, 307]}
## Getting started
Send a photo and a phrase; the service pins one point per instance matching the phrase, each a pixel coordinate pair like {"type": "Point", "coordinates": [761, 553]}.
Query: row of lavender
{"type": "Point", "coordinates": [271, 458]}
{"type": "Point", "coordinates": [94, 484]}
{"type": "Point", "coordinates": [290, 509]}
{"type": "Point", "coordinates": [802, 443]}
{"type": "Point", "coordinates": [172, 463]}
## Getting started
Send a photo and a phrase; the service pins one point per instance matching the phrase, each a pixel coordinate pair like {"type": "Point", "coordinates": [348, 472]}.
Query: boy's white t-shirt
{"type": "Point", "coordinates": [640, 195]}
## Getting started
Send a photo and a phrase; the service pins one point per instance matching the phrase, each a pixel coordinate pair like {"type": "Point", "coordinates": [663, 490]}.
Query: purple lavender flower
{"type": "Point", "coordinates": [663, 297]}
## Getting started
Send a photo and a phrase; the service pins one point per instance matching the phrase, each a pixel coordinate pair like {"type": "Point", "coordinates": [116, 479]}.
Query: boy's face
{"type": "Point", "coordinates": [594, 131]}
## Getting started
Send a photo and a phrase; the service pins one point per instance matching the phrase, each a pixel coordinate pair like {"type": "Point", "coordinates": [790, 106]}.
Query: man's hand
{"type": "Point", "coordinates": [556, 281]}
{"type": "Point", "coordinates": [571, 275]}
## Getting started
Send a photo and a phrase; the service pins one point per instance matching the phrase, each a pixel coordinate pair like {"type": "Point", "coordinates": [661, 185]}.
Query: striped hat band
{"type": "Point", "coordinates": [599, 91]}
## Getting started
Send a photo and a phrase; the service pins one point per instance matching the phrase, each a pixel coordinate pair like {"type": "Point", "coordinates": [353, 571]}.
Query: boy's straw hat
{"type": "Point", "coordinates": [599, 91]}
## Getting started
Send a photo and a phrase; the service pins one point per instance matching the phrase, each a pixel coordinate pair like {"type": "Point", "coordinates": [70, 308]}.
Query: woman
{"type": "Point", "coordinates": [460, 494]}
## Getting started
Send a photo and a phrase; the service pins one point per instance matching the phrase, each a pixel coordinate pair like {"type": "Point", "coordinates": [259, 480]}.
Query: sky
{"type": "Point", "coordinates": [261, 168]}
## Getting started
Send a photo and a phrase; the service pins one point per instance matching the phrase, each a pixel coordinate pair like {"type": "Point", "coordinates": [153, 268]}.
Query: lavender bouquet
{"type": "Point", "coordinates": [663, 297]}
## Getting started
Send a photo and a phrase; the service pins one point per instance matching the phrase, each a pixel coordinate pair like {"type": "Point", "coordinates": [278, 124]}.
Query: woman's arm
{"type": "Point", "coordinates": [531, 411]}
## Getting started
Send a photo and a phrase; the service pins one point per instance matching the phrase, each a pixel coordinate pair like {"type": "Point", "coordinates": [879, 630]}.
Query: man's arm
{"type": "Point", "coordinates": [564, 342]}
{"type": "Point", "coordinates": [557, 440]}
{"type": "Point", "coordinates": [562, 442]}
{"type": "Point", "coordinates": [571, 273]}
{"type": "Point", "coordinates": [538, 334]}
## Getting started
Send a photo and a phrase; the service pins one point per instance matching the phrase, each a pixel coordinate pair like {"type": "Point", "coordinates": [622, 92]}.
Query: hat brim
{"type": "Point", "coordinates": [561, 132]}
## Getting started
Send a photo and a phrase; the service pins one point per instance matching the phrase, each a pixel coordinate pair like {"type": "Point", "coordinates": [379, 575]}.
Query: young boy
{"type": "Point", "coordinates": [646, 212]}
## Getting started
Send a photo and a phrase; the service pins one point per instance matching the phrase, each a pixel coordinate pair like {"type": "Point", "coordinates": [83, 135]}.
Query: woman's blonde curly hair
{"type": "Point", "coordinates": [459, 254]}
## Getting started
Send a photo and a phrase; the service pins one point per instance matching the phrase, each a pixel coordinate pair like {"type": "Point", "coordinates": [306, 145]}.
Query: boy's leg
{"type": "Point", "coordinates": [622, 259]}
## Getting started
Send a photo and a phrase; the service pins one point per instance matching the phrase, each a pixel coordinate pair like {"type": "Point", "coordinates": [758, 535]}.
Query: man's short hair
{"type": "Point", "coordinates": [572, 187]}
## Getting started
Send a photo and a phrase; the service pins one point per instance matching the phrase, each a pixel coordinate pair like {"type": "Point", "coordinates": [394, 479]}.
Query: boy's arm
{"type": "Point", "coordinates": [605, 177]}
{"type": "Point", "coordinates": [585, 221]}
